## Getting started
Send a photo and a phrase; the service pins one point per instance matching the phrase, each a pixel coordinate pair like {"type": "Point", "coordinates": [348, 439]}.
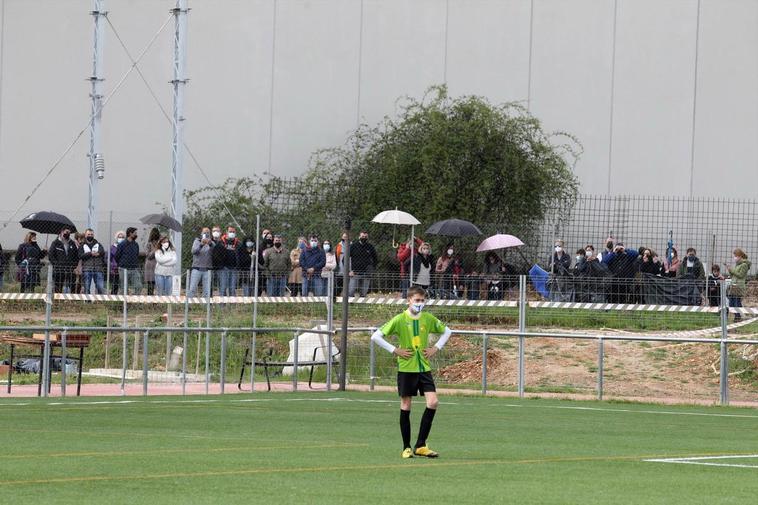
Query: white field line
{"type": "Point", "coordinates": [706, 460]}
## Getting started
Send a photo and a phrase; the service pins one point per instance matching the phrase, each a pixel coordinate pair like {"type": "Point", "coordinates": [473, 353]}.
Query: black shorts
{"type": "Point", "coordinates": [412, 383]}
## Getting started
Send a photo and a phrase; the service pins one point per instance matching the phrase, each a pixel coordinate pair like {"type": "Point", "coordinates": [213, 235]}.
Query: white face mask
{"type": "Point", "coordinates": [579, 258]}
{"type": "Point", "coordinates": [558, 248]}
{"type": "Point", "coordinates": [416, 308]}
{"type": "Point", "coordinates": [164, 246]}
{"type": "Point", "coordinates": [231, 235]}
{"type": "Point", "coordinates": [588, 254]}
{"type": "Point", "coordinates": [119, 240]}
{"type": "Point", "coordinates": [327, 247]}
{"type": "Point", "coordinates": [314, 244]}
{"type": "Point", "coordinates": [216, 234]}
{"type": "Point", "coordinates": [450, 252]}
{"type": "Point", "coordinates": [249, 245]}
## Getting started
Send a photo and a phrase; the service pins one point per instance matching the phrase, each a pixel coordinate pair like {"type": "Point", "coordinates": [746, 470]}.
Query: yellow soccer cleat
{"type": "Point", "coordinates": [407, 453]}
{"type": "Point", "coordinates": [426, 452]}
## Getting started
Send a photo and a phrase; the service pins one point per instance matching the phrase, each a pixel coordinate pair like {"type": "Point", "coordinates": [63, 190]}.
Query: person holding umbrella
{"type": "Point", "coordinates": [28, 259]}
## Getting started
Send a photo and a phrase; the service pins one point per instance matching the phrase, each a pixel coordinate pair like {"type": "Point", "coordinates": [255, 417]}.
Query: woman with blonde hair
{"type": "Point", "coordinates": [738, 276]}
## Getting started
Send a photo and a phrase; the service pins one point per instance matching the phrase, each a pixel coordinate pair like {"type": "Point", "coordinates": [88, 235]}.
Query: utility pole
{"type": "Point", "coordinates": [96, 160]}
{"type": "Point", "coordinates": [179, 81]}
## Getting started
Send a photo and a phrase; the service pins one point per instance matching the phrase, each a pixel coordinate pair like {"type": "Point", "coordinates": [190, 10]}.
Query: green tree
{"type": "Point", "coordinates": [441, 157]}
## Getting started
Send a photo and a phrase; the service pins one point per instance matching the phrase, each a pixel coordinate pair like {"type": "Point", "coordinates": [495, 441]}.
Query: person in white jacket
{"type": "Point", "coordinates": [165, 267]}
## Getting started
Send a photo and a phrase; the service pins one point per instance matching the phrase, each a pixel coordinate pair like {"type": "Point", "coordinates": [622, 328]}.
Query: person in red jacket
{"type": "Point", "coordinates": [403, 255]}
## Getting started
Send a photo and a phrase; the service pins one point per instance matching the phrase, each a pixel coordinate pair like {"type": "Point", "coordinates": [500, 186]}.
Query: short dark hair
{"type": "Point", "coordinates": [691, 249]}
{"type": "Point", "coordinates": [416, 290]}
{"type": "Point", "coordinates": [130, 230]}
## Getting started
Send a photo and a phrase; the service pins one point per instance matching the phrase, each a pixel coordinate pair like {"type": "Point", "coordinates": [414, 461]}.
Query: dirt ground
{"type": "Point", "coordinates": [630, 369]}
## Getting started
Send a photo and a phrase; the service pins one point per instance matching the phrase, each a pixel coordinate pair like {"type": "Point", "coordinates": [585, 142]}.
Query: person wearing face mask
{"type": "Point", "coordinates": [414, 350]}
{"type": "Point", "coordinates": [622, 264]}
{"type": "Point", "coordinates": [444, 270]}
{"type": "Point", "coordinates": [245, 266]}
{"type": "Point", "coordinates": [295, 279]}
{"type": "Point", "coordinates": [29, 261]}
{"type": "Point", "coordinates": [202, 263]}
{"type": "Point", "coordinates": [276, 265]}
{"type": "Point", "coordinates": [165, 267]}
{"type": "Point", "coordinates": [363, 263]}
{"type": "Point", "coordinates": [403, 256]}
{"type": "Point", "coordinates": [64, 257]}
{"type": "Point", "coordinates": [225, 262]}
{"type": "Point", "coordinates": [691, 267]}
{"type": "Point", "coordinates": [423, 266]}
{"type": "Point", "coordinates": [92, 257]}
{"type": "Point", "coordinates": [330, 264]}
{"type": "Point", "coordinates": [127, 257]}
{"type": "Point", "coordinates": [152, 246]}
{"type": "Point", "coordinates": [312, 261]}
{"type": "Point", "coordinates": [119, 237]}
{"type": "Point", "coordinates": [738, 275]}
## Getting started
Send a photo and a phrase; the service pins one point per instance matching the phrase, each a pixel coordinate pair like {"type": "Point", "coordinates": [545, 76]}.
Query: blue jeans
{"type": "Point", "coordinates": [195, 277]}
{"type": "Point", "coordinates": [275, 285]}
{"type": "Point", "coordinates": [227, 282]}
{"type": "Point", "coordinates": [315, 284]}
{"type": "Point", "coordinates": [163, 285]}
{"type": "Point", "coordinates": [133, 281]}
{"type": "Point", "coordinates": [88, 277]}
{"type": "Point", "coordinates": [364, 279]}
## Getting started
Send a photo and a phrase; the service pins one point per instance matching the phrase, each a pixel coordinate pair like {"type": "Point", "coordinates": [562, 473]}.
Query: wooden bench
{"type": "Point", "coordinates": [266, 362]}
{"type": "Point", "coordinates": [73, 341]}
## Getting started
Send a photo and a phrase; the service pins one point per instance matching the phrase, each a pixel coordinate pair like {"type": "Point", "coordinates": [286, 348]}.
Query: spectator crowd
{"type": "Point", "coordinates": [225, 264]}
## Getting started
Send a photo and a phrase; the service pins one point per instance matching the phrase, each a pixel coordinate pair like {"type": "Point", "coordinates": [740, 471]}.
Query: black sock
{"type": "Point", "coordinates": [405, 427]}
{"type": "Point", "coordinates": [426, 426]}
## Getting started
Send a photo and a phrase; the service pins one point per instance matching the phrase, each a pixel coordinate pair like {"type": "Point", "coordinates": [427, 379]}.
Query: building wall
{"type": "Point", "coordinates": [663, 94]}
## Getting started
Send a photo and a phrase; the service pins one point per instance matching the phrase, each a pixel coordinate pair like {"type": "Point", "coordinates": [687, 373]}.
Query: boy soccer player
{"type": "Point", "coordinates": [414, 375]}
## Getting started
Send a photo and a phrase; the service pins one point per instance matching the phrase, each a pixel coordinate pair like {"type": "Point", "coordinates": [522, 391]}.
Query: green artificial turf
{"type": "Point", "coordinates": [345, 448]}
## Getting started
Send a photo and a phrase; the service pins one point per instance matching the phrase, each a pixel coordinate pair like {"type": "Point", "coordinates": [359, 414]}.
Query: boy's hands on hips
{"type": "Point", "coordinates": [403, 353]}
{"type": "Point", "coordinates": [430, 351]}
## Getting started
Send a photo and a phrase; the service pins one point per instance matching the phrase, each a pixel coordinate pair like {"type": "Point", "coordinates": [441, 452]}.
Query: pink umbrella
{"type": "Point", "coordinates": [499, 241]}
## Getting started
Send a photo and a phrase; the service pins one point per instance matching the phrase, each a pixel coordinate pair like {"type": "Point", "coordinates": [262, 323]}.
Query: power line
{"type": "Point", "coordinates": [168, 118]}
{"type": "Point", "coordinates": [87, 126]}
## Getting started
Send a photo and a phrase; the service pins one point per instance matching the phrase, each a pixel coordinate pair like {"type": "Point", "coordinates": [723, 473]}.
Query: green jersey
{"type": "Point", "coordinates": [413, 335]}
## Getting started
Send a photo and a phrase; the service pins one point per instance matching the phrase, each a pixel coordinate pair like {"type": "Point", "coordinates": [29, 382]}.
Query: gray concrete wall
{"type": "Point", "coordinates": [662, 93]}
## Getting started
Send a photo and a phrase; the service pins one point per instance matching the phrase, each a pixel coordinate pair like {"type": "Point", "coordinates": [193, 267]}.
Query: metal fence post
{"type": "Point", "coordinates": [521, 338]}
{"type": "Point", "coordinates": [600, 363]}
{"type": "Point", "coordinates": [45, 365]}
{"type": "Point", "coordinates": [207, 361]}
{"type": "Point", "coordinates": [185, 338]}
{"type": "Point", "coordinates": [222, 375]}
{"type": "Point", "coordinates": [207, 334]}
{"type": "Point", "coordinates": [724, 371]}
{"type": "Point", "coordinates": [252, 362]}
{"type": "Point", "coordinates": [124, 336]}
{"type": "Point", "coordinates": [144, 362]}
{"type": "Point", "coordinates": [63, 362]}
{"type": "Point", "coordinates": [329, 327]}
{"type": "Point", "coordinates": [295, 361]}
{"type": "Point", "coordinates": [484, 363]}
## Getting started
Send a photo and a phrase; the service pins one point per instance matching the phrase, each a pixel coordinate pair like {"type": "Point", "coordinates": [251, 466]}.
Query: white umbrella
{"type": "Point", "coordinates": [395, 217]}
{"type": "Point", "coordinates": [400, 217]}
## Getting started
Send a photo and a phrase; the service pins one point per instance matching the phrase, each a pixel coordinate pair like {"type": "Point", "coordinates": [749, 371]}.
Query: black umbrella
{"type": "Point", "coordinates": [162, 220]}
{"type": "Point", "coordinates": [453, 228]}
{"type": "Point", "coordinates": [47, 222]}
